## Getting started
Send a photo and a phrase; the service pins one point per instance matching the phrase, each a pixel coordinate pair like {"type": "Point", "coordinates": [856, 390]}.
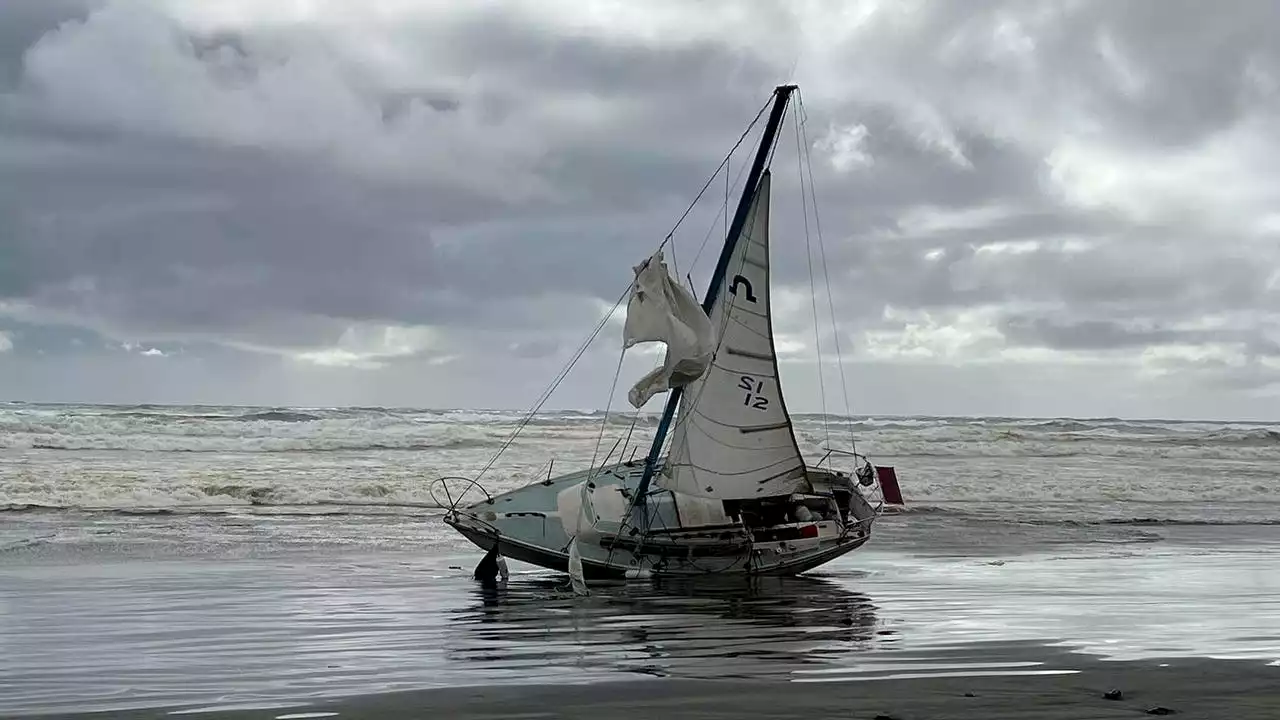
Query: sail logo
{"type": "Point", "coordinates": [754, 388]}
{"type": "Point", "coordinates": [739, 280]}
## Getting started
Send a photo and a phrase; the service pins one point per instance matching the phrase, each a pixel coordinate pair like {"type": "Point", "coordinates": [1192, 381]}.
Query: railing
{"type": "Point", "coordinates": [452, 504]}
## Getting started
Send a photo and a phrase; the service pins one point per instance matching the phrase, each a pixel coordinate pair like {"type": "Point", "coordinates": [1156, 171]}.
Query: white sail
{"type": "Point", "coordinates": [576, 578]}
{"type": "Point", "coordinates": [734, 438]}
{"type": "Point", "coordinates": [662, 310]}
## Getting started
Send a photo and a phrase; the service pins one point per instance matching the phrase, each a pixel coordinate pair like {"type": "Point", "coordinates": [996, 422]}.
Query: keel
{"type": "Point", "coordinates": [491, 568]}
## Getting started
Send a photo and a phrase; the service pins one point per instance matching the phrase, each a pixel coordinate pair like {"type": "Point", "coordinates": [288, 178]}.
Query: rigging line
{"type": "Point", "coordinates": [725, 317]}
{"type": "Point", "coordinates": [722, 323]}
{"type": "Point", "coordinates": [813, 283]}
{"type": "Point", "coordinates": [670, 236]}
{"type": "Point", "coordinates": [546, 395]}
{"type": "Point", "coordinates": [626, 520]}
{"type": "Point", "coordinates": [723, 212]}
{"type": "Point", "coordinates": [727, 314]}
{"type": "Point", "coordinates": [844, 385]}
{"type": "Point", "coordinates": [777, 138]}
{"type": "Point", "coordinates": [675, 262]}
{"type": "Point", "coordinates": [606, 319]}
{"type": "Point", "coordinates": [668, 441]}
{"type": "Point", "coordinates": [617, 373]}
{"type": "Point", "coordinates": [712, 179]}
{"type": "Point", "coordinates": [635, 418]}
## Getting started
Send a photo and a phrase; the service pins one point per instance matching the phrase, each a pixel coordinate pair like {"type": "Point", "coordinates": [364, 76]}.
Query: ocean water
{"type": "Point", "coordinates": [229, 556]}
{"type": "Point", "coordinates": [207, 460]}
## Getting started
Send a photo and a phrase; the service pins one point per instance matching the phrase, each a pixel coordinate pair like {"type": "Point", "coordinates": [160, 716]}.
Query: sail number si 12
{"type": "Point", "coordinates": [753, 399]}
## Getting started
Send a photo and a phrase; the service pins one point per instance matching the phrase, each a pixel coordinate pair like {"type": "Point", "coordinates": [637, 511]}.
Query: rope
{"type": "Point", "coordinates": [813, 284]}
{"type": "Point", "coordinates": [720, 331]}
{"type": "Point", "coordinates": [546, 395]}
{"type": "Point", "coordinates": [844, 386]}
{"type": "Point", "coordinates": [717, 172]}
{"type": "Point", "coordinates": [626, 442]}
{"type": "Point", "coordinates": [723, 212]}
{"type": "Point", "coordinates": [608, 406]}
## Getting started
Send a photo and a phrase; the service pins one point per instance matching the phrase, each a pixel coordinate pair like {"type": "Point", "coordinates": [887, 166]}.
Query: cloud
{"type": "Point", "coordinates": [435, 202]}
{"type": "Point", "coordinates": [6, 342]}
{"type": "Point", "coordinates": [370, 347]}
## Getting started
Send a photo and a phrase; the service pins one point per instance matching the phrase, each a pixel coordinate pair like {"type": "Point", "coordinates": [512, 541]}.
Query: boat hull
{"type": "Point", "coordinates": [685, 537]}
{"type": "Point", "coordinates": [592, 570]}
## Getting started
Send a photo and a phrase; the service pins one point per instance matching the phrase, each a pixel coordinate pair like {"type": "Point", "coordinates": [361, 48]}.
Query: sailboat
{"type": "Point", "coordinates": [732, 494]}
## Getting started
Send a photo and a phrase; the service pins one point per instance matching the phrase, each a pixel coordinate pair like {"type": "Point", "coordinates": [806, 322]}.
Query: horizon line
{"type": "Point", "coordinates": [655, 412]}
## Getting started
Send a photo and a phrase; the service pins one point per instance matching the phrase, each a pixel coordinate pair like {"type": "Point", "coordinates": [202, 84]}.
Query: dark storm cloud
{"type": "Point", "coordinates": [23, 22]}
{"type": "Point", "coordinates": [186, 239]}
{"type": "Point", "coordinates": [1087, 177]}
{"type": "Point", "coordinates": [1117, 276]}
{"type": "Point", "coordinates": [151, 232]}
{"type": "Point", "coordinates": [1193, 72]}
{"type": "Point", "coordinates": [1110, 335]}
{"type": "Point", "coordinates": [183, 238]}
{"type": "Point", "coordinates": [1166, 97]}
{"type": "Point", "coordinates": [1154, 72]}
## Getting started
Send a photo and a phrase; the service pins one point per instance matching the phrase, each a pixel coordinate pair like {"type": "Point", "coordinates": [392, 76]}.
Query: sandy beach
{"type": "Point", "coordinates": [1071, 689]}
{"type": "Point", "coordinates": [1188, 623]}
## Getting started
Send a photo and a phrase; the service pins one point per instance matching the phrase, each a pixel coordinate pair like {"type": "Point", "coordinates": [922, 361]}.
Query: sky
{"type": "Point", "coordinates": [1059, 208]}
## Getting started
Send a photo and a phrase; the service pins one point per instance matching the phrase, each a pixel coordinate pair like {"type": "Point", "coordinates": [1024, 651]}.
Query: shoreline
{"type": "Point", "coordinates": [1066, 687]}
{"type": "Point", "coordinates": [135, 637]}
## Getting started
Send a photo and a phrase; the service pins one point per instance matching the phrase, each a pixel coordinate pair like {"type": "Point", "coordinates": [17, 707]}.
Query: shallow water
{"type": "Point", "coordinates": [99, 630]}
{"type": "Point", "coordinates": [227, 556]}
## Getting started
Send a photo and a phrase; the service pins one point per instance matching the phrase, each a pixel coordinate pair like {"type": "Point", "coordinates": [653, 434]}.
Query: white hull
{"type": "Point", "coordinates": [665, 536]}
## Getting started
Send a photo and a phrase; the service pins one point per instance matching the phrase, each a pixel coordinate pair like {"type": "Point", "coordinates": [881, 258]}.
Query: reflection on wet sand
{"type": "Point", "coordinates": [709, 630]}
{"type": "Point", "coordinates": [84, 634]}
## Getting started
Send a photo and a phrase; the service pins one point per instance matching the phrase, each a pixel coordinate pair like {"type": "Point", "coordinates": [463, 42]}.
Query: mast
{"type": "Point", "coordinates": [782, 94]}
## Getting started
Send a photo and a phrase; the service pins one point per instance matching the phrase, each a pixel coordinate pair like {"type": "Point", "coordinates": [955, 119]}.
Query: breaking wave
{"type": "Point", "coordinates": [259, 508]}
{"type": "Point", "coordinates": [1188, 522]}
{"type": "Point", "coordinates": [1182, 514]}
{"type": "Point", "coordinates": [284, 498]}
{"type": "Point", "coordinates": [148, 458]}
{"type": "Point", "coordinates": [290, 430]}
{"type": "Point", "coordinates": [282, 502]}
{"type": "Point", "coordinates": [263, 445]}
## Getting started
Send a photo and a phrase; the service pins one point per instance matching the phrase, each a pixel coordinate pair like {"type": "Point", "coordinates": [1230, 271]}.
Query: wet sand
{"type": "Point", "coordinates": [1033, 624]}
{"type": "Point", "coordinates": [1068, 689]}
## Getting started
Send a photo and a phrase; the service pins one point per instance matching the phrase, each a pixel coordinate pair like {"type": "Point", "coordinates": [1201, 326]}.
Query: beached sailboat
{"type": "Point", "coordinates": [733, 493]}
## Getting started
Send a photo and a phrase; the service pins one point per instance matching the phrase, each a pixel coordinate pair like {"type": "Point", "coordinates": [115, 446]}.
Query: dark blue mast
{"type": "Point", "coordinates": [781, 94]}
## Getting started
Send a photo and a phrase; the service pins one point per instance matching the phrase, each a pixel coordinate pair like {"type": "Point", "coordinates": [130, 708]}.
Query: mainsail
{"type": "Point", "coordinates": [662, 310]}
{"type": "Point", "coordinates": [734, 437]}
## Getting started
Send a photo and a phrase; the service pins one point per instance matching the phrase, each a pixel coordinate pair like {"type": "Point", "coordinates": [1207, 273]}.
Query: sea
{"type": "Point", "coordinates": [219, 557]}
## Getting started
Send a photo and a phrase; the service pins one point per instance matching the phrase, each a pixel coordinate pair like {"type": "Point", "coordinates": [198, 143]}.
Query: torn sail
{"type": "Point", "coordinates": [662, 310]}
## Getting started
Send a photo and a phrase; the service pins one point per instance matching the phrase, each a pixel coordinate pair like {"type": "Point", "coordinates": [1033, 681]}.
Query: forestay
{"type": "Point", "coordinates": [662, 310]}
{"type": "Point", "coordinates": [734, 437]}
